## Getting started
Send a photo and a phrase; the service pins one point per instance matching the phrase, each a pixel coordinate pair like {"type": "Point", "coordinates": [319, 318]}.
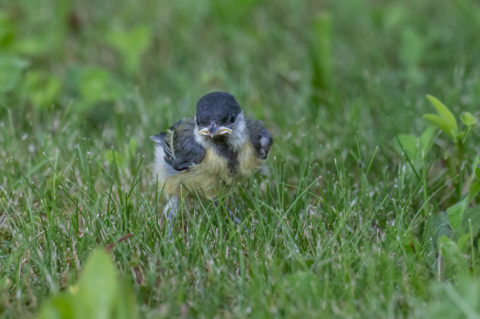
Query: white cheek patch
{"type": "Point", "coordinates": [264, 141]}
{"type": "Point", "coordinates": [200, 138]}
{"type": "Point", "coordinates": [264, 146]}
{"type": "Point", "coordinates": [238, 136]}
{"type": "Point", "coordinates": [162, 169]}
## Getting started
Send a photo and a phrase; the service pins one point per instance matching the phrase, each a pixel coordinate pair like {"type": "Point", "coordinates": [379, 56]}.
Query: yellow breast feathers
{"type": "Point", "coordinates": [213, 173]}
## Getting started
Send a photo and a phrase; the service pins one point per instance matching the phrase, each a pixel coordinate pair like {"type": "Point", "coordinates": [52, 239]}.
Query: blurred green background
{"type": "Point", "coordinates": [139, 65]}
{"type": "Point", "coordinates": [84, 83]}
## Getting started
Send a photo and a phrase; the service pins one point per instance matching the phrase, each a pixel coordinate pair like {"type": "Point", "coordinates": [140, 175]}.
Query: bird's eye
{"type": "Point", "coordinates": [232, 119]}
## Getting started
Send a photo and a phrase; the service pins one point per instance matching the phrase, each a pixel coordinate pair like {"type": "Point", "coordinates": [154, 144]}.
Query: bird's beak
{"type": "Point", "coordinates": [213, 130]}
{"type": "Point", "coordinates": [222, 130]}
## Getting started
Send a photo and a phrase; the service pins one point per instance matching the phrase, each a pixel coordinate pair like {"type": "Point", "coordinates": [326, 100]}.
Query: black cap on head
{"type": "Point", "coordinates": [217, 106]}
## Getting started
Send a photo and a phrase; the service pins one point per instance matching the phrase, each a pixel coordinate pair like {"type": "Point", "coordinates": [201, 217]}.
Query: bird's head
{"type": "Point", "coordinates": [219, 119]}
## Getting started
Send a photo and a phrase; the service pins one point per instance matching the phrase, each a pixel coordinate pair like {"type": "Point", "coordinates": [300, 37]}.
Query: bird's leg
{"type": "Point", "coordinates": [237, 221]}
{"type": "Point", "coordinates": [170, 211]}
{"type": "Point", "coordinates": [232, 216]}
{"type": "Point", "coordinates": [263, 144]}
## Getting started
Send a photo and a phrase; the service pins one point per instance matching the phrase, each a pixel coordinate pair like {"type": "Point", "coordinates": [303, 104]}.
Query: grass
{"type": "Point", "coordinates": [341, 228]}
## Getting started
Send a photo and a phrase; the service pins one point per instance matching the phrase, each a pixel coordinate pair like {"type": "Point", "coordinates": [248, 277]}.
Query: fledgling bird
{"type": "Point", "coordinates": [210, 151]}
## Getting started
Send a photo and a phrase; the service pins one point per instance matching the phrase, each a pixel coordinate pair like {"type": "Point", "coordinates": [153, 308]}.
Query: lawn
{"type": "Point", "coordinates": [370, 210]}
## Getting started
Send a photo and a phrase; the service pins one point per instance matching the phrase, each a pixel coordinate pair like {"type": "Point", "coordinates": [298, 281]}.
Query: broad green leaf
{"type": "Point", "coordinates": [415, 148]}
{"type": "Point", "coordinates": [460, 135]}
{"type": "Point", "coordinates": [58, 307]}
{"type": "Point", "coordinates": [98, 288]}
{"type": "Point", "coordinates": [468, 119]}
{"type": "Point", "coordinates": [426, 140]}
{"type": "Point", "coordinates": [455, 213]}
{"type": "Point", "coordinates": [94, 85]}
{"type": "Point", "coordinates": [444, 240]}
{"type": "Point", "coordinates": [445, 114]}
{"type": "Point", "coordinates": [476, 167]}
{"type": "Point", "coordinates": [475, 186]}
{"type": "Point", "coordinates": [410, 145]}
{"type": "Point", "coordinates": [458, 300]}
{"type": "Point", "coordinates": [42, 88]}
{"type": "Point", "coordinates": [442, 124]}
{"type": "Point", "coordinates": [438, 226]}
{"type": "Point", "coordinates": [453, 260]}
{"type": "Point", "coordinates": [472, 219]}
{"type": "Point", "coordinates": [125, 304]}
{"type": "Point", "coordinates": [131, 45]}
{"type": "Point", "coordinates": [11, 68]}
{"type": "Point", "coordinates": [474, 190]}
{"type": "Point", "coordinates": [463, 241]}
{"type": "Point", "coordinates": [99, 294]}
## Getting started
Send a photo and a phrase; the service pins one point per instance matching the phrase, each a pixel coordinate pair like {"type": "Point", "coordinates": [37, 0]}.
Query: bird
{"type": "Point", "coordinates": [210, 151]}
